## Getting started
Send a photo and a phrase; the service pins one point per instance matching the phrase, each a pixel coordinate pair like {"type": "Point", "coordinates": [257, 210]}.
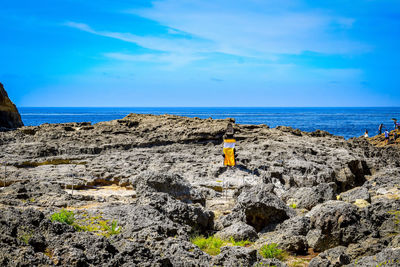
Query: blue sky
{"type": "Point", "coordinates": [201, 53]}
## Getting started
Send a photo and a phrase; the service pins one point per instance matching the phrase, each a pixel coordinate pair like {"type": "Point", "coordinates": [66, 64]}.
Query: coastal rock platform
{"type": "Point", "coordinates": [324, 200]}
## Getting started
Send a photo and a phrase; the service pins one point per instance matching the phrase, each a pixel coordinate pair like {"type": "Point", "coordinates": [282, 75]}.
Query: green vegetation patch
{"type": "Point", "coordinates": [25, 235]}
{"type": "Point", "coordinates": [63, 216]}
{"type": "Point", "coordinates": [270, 251]}
{"type": "Point", "coordinates": [212, 245]}
{"type": "Point", "coordinates": [96, 224]}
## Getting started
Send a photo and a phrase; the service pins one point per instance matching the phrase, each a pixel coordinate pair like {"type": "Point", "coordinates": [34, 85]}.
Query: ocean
{"type": "Point", "coordinates": [346, 122]}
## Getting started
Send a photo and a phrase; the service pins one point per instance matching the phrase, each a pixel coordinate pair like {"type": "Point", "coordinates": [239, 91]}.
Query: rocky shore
{"type": "Point", "coordinates": [324, 200]}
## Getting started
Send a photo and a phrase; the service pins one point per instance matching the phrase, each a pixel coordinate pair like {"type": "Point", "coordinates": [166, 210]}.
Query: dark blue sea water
{"type": "Point", "coordinates": [347, 122]}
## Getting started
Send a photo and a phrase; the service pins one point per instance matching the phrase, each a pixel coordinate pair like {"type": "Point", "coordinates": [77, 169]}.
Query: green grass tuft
{"type": "Point", "coordinates": [96, 224]}
{"type": "Point", "coordinates": [240, 243]}
{"type": "Point", "coordinates": [270, 251]}
{"type": "Point", "coordinates": [212, 245]}
{"type": "Point", "coordinates": [63, 216]}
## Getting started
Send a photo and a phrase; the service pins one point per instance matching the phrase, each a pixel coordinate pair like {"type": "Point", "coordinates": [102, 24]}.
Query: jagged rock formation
{"type": "Point", "coordinates": [9, 115]}
{"type": "Point", "coordinates": [162, 179]}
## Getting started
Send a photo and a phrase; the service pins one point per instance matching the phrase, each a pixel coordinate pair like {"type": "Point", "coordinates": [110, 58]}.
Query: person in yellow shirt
{"type": "Point", "coordinates": [229, 146]}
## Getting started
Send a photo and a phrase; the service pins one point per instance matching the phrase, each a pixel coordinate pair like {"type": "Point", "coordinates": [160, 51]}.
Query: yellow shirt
{"type": "Point", "coordinates": [229, 146]}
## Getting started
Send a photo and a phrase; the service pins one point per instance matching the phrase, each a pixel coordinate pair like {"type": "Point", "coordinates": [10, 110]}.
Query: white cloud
{"type": "Point", "coordinates": [172, 60]}
{"type": "Point", "coordinates": [255, 28]}
{"type": "Point", "coordinates": [246, 28]}
{"type": "Point", "coordinates": [180, 45]}
{"type": "Point", "coordinates": [260, 31]}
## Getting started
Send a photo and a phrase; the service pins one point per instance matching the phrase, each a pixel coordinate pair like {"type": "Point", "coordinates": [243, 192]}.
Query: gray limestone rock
{"type": "Point", "coordinates": [238, 231]}
{"type": "Point", "coordinates": [332, 224]}
{"type": "Point", "coordinates": [260, 209]}
{"type": "Point", "coordinates": [236, 256]}
{"type": "Point", "coordinates": [356, 193]}
{"type": "Point", "coordinates": [334, 257]}
{"type": "Point", "coordinates": [309, 197]}
{"type": "Point", "coordinates": [173, 184]}
{"type": "Point", "coordinates": [162, 177]}
{"type": "Point", "coordinates": [193, 215]}
{"type": "Point", "coordinates": [389, 257]}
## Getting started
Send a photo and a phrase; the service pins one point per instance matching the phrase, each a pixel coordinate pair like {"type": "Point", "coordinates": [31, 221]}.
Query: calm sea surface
{"type": "Point", "coordinates": [347, 122]}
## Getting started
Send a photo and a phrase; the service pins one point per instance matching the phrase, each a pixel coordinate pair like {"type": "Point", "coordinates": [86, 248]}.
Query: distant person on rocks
{"type": "Point", "coordinates": [366, 133]}
{"type": "Point", "coordinates": [229, 146]}
{"type": "Point", "coordinates": [395, 123]}
{"type": "Point", "coordinates": [387, 136]}
{"type": "Point", "coordinates": [380, 128]}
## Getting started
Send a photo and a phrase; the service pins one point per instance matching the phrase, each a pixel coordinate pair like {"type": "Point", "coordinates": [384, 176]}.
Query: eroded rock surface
{"type": "Point", "coordinates": [162, 179]}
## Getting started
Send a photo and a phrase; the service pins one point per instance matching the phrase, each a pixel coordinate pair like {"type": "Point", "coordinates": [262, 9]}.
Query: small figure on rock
{"type": "Point", "coordinates": [380, 128]}
{"type": "Point", "coordinates": [395, 122]}
{"type": "Point", "coordinates": [229, 146]}
{"type": "Point", "coordinates": [366, 133]}
{"type": "Point", "coordinates": [387, 136]}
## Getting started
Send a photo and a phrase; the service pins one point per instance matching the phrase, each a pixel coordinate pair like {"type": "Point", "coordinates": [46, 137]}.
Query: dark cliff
{"type": "Point", "coordinates": [9, 115]}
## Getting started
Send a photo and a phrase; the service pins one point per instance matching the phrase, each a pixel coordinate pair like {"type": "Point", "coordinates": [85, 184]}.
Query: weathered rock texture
{"type": "Point", "coordinates": [162, 178]}
{"type": "Point", "coordinates": [9, 115]}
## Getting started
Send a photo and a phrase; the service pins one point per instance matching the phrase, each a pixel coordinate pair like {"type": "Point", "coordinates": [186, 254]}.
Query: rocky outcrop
{"type": "Point", "coordinates": [389, 257]}
{"type": "Point", "coordinates": [309, 197]}
{"type": "Point", "coordinates": [29, 238]}
{"type": "Point", "coordinates": [334, 257]}
{"type": "Point", "coordinates": [238, 231]}
{"type": "Point", "coordinates": [162, 179]}
{"type": "Point", "coordinates": [332, 224]}
{"type": "Point", "coordinates": [172, 184]}
{"type": "Point", "coordinates": [289, 235]}
{"type": "Point", "coordinates": [9, 115]}
{"type": "Point", "coordinates": [258, 208]}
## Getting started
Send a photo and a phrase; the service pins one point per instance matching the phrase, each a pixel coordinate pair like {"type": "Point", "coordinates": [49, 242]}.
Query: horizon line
{"type": "Point", "coordinates": [208, 106]}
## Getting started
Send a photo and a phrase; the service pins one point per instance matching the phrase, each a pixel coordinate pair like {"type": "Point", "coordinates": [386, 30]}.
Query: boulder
{"type": "Point", "coordinates": [289, 235]}
{"type": "Point", "coordinates": [367, 247]}
{"type": "Point", "coordinates": [296, 244]}
{"type": "Point", "coordinates": [382, 216]}
{"type": "Point", "coordinates": [389, 257]}
{"type": "Point", "coordinates": [352, 175]}
{"type": "Point", "coordinates": [193, 215]}
{"type": "Point", "coordinates": [259, 208]}
{"type": "Point", "coordinates": [29, 239]}
{"type": "Point", "coordinates": [332, 224]}
{"type": "Point", "coordinates": [172, 184]}
{"type": "Point", "coordinates": [9, 115]}
{"type": "Point", "coordinates": [236, 256]}
{"type": "Point", "coordinates": [238, 231]}
{"type": "Point", "coordinates": [309, 197]}
{"type": "Point", "coordinates": [181, 252]}
{"type": "Point", "coordinates": [135, 254]}
{"type": "Point", "coordinates": [334, 257]}
{"type": "Point", "coordinates": [356, 193]}
{"type": "Point", "coordinates": [143, 222]}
